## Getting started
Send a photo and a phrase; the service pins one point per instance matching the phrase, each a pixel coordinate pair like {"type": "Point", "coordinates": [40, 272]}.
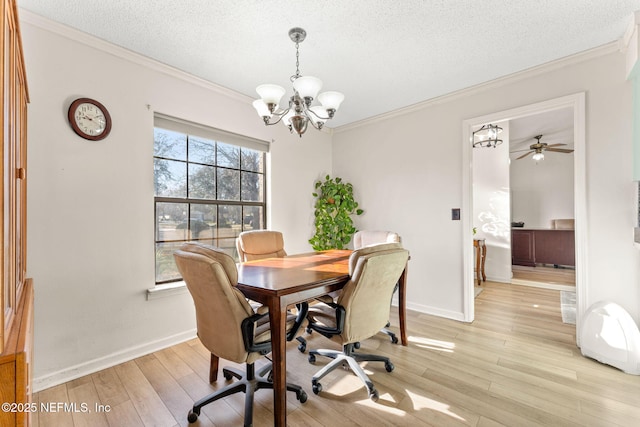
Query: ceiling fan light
{"type": "Point", "coordinates": [331, 100]}
{"type": "Point", "coordinates": [270, 94]}
{"type": "Point", "coordinates": [538, 156]}
{"type": "Point", "coordinates": [307, 86]}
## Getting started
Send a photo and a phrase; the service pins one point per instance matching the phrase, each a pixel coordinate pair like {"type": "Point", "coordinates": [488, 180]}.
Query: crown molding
{"type": "Point", "coordinates": [491, 84]}
{"type": "Point", "coordinates": [78, 36]}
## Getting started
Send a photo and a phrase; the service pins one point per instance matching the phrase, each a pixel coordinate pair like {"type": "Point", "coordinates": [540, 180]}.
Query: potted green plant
{"type": "Point", "coordinates": [333, 209]}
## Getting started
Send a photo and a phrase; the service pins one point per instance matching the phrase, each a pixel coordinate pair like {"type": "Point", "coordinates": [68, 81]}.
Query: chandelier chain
{"type": "Point", "coordinates": [297, 62]}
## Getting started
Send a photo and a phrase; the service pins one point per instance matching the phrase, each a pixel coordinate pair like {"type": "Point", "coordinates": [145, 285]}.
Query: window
{"type": "Point", "coordinates": [209, 187]}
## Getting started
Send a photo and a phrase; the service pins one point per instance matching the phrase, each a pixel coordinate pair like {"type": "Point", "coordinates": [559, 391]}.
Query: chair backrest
{"type": "Point", "coordinates": [211, 276]}
{"type": "Point", "coordinates": [259, 244]}
{"type": "Point", "coordinates": [562, 224]}
{"type": "Point", "coordinates": [374, 271]}
{"type": "Point", "coordinates": [364, 238]}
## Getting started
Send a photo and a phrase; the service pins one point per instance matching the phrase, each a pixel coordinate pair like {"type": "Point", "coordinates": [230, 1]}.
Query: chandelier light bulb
{"type": "Point", "coordinates": [271, 94]}
{"type": "Point", "coordinates": [261, 108]}
{"type": "Point", "coordinates": [331, 100]}
{"type": "Point", "coordinates": [307, 86]}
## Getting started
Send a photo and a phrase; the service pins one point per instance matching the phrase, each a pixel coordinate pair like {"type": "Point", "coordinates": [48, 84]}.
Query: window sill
{"type": "Point", "coordinates": [166, 290]}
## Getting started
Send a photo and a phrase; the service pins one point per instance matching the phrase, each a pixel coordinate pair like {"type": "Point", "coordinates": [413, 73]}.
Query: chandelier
{"type": "Point", "coordinates": [300, 112]}
{"type": "Point", "coordinates": [487, 136]}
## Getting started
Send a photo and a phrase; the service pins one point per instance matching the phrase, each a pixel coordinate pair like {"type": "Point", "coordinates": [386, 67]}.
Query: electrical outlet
{"type": "Point", "coordinates": [455, 214]}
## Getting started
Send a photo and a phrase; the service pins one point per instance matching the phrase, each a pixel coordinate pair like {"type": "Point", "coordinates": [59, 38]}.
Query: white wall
{"type": "Point", "coordinates": [543, 190]}
{"type": "Point", "coordinates": [491, 206]}
{"type": "Point", "coordinates": [406, 170]}
{"type": "Point", "coordinates": [90, 204]}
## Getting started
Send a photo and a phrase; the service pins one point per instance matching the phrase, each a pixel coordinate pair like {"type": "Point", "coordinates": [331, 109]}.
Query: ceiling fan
{"type": "Point", "coordinates": [537, 149]}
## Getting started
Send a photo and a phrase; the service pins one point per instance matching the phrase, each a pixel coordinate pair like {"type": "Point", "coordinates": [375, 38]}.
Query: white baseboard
{"type": "Point", "coordinates": [95, 365]}
{"type": "Point", "coordinates": [434, 311]}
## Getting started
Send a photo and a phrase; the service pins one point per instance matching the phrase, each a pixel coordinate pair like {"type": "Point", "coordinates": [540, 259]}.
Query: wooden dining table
{"type": "Point", "coordinates": [280, 282]}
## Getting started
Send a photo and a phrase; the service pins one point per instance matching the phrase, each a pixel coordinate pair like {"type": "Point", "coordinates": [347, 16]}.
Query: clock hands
{"type": "Point", "coordinates": [99, 120]}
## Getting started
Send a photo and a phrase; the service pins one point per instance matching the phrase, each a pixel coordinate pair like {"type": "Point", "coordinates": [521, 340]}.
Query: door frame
{"type": "Point", "coordinates": [575, 101]}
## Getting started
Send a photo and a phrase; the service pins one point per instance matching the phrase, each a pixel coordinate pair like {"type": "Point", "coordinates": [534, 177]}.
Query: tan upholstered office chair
{"type": "Point", "coordinates": [227, 325]}
{"type": "Point", "coordinates": [360, 311]}
{"type": "Point", "coordinates": [260, 244]}
{"type": "Point", "coordinates": [364, 238]}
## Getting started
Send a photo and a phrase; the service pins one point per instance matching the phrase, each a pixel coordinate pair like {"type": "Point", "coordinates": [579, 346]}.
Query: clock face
{"type": "Point", "coordinates": [89, 119]}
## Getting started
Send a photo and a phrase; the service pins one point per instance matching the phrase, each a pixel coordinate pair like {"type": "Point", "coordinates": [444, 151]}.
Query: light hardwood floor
{"type": "Point", "coordinates": [550, 275]}
{"type": "Point", "coordinates": [516, 365]}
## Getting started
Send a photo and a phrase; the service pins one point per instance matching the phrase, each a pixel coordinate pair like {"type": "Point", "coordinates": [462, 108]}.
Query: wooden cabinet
{"type": "Point", "coordinates": [522, 248]}
{"type": "Point", "coordinates": [16, 291]}
{"type": "Point", "coordinates": [15, 362]}
{"type": "Point", "coordinates": [531, 247]}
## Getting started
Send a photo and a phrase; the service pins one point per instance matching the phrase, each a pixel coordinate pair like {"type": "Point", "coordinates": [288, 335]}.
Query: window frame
{"type": "Point", "coordinates": [216, 136]}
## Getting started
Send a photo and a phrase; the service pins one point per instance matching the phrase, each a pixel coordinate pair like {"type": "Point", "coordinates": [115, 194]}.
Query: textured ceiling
{"type": "Point", "coordinates": [382, 54]}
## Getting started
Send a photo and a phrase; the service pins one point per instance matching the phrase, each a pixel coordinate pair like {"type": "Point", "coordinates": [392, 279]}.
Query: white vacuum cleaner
{"type": "Point", "coordinates": [609, 335]}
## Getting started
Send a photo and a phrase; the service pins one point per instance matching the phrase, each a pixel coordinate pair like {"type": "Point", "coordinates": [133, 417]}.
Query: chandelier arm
{"type": "Point", "coordinates": [280, 115]}
{"type": "Point", "coordinates": [316, 114]}
{"type": "Point", "coordinates": [318, 125]}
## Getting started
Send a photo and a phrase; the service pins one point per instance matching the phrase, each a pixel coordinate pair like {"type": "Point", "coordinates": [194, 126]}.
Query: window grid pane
{"type": "Point", "coordinates": [205, 191]}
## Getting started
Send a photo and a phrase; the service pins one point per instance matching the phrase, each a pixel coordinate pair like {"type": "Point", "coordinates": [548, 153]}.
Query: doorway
{"type": "Point", "coordinates": [541, 170]}
{"type": "Point", "coordinates": [576, 103]}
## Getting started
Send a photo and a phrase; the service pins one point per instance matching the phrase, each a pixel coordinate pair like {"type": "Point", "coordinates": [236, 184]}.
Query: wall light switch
{"type": "Point", "coordinates": [455, 214]}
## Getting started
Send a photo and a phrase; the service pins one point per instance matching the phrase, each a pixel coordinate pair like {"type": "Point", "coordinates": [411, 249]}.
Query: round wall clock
{"type": "Point", "coordinates": [89, 119]}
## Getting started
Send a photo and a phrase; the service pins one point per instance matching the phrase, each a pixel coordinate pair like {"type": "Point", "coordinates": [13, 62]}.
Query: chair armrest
{"type": "Point", "coordinates": [248, 327]}
{"type": "Point", "coordinates": [303, 309]}
{"type": "Point", "coordinates": [329, 332]}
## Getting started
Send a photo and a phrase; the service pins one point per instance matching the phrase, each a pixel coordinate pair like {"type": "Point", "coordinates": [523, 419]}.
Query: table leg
{"type": "Point", "coordinates": [478, 256]}
{"type": "Point", "coordinates": [213, 368]}
{"type": "Point", "coordinates": [484, 257]}
{"type": "Point", "coordinates": [277, 319]}
{"type": "Point", "coordinates": [402, 308]}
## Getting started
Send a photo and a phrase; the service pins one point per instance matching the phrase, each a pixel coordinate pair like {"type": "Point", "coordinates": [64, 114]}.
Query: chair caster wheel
{"type": "Point", "coordinates": [373, 395]}
{"type": "Point", "coordinates": [394, 339]}
{"type": "Point", "coordinates": [309, 330]}
{"type": "Point", "coordinates": [356, 345]}
{"type": "Point", "coordinates": [302, 396]}
{"type": "Point", "coordinates": [227, 376]}
{"type": "Point", "coordinates": [317, 388]}
{"type": "Point", "coordinates": [302, 348]}
{"type": "Point", "coordinates": [389, 366]}
{"type": "Point", "coordinates": [192, 417]}
{"type": "Point", "coordinates": [312, 358]}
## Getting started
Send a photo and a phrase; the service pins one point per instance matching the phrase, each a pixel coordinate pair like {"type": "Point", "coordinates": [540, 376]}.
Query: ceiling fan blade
{"type": "Point", "coordinates": [524, 155]}
{"type": "Point", "coordinates": [560, 150]}
{"type": "Point", "coordinates": [555, 145]}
